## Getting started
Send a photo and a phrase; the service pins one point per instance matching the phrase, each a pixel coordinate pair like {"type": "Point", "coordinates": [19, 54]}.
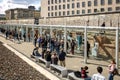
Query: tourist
{"type": "Point", "coordinates": [88, 49]}
{"type": "Point", "coordinates": [24, 36]}
{"type": "Point", "coordinates": [29, 36]}
{"type": "Point", "coordinates": [62, 56]}
{"type": "Point", "coordinates": [7, 34]}
{"type": "Point", "coordinates": [99, 75]}
{"type": "Point", "coordinates": [48, 58]}
{"type": "Point", "coordinates": [54, 58]}
{"type": "Point", "coordinates": [36, 52]}
{"type": "Point", "coordinates": [57, 46]}
{"type": "Point", "coordinates": [84, 72]}
{"type": "Point", "coordinates": [35, 41]}
{"type": "Point", "coordinates": [39, 41]}
{"type": "Point", "coordinates": [44, 44]}
{"type": "Point", "coordinates": [52, 46]}
{"type": "Point", "coordinates": [72, 46]}
{"type": "Point", "coordinates": [103, 25]}
{"type": "Point", "coordinates": [111, 68]}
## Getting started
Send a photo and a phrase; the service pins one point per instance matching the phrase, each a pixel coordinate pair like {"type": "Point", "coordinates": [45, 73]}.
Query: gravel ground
{"type": "Point", "coordinates": [14, 68]}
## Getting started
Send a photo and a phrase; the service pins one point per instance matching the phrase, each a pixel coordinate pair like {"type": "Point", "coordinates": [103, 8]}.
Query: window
{"type": "Point", "coordinates": [63, 13]}
{"type": "Point", "coordinates": [102, 2]}
{"type": "Point", "coordinates": [59, 13]}
{"type": "Point", "coordinates": [117, 1]}
{"type": "Point", "coordinates": [63, 0]}
{"type": "Point", "coordinates": [48, 2]}
{"type": "Point", "coordinates": [89, 10]}
{"type": "Point", "coordinates": [55, 1]}
{"type": "Point", "coordinates": [60, 7]}
{"type": "Point", "coordinates": [89, 3]}
{"type": "Point", "coordinates": [73, 12]}
{"type": "Point", "coordinates": [59, 1]}
{"type": "Point", "coordinates": [55, 7]}
{"type": "Point", "coordinates": [68, 0]}
{"type": "Point", "coordinates": [95, 2]}
{"type": "Point", "coordinates": [117, 8]}
{"type": "Point", "coordinates": [52, 1]}
{"type": "Point", "coordinates": [78, 5]}
{"type": "Point", "coordinates": [55, 13]}
{"type": "Point", "coordinates": [48, 8]}
{"type": "Point", "coordinates": [48, 14]}
{"type": "Point", "coordinates": [73, 5]}
{"type": "Point", "coordinates": [68, 6]}
{"type": "Point", "coordinates": [83, 11]}
{"type": "Point", "coordinates": [64, 6]}
{"type": "Point", "coordinates": [110, 9]}
{"type": "Point", "coordinates": [109, 2]}
{"type": "Point", "coordinates": [78, 11]}
{"type": "Point", "coordinates": [83, 4]}
{"type": "Point", "coordinates": [95, 10]}
{"type": "Point", "coordinates": [52, 14]}
{"type": "Point", "coordinates": [68, 12]}
{"type": "Point", "coordinates": [51, 7]}
{"type": "Point", "coordinates": [102, 9]}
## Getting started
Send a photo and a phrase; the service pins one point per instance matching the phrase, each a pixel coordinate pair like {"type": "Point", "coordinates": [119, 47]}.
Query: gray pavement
{"type": "Point", "coordinates": [73, 62]}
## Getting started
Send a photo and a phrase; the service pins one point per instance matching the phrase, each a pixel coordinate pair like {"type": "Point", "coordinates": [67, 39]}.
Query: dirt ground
{"type": "Point", "coordinates": [14, 68]}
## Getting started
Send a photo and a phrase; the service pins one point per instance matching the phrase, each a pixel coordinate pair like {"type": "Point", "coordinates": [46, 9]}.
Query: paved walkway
{"type": "Point", "coordinates": [73, 62]}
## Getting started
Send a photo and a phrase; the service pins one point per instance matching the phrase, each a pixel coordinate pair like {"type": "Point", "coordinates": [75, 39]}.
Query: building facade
{"type": "Point", "coordinates": [21, 13]}
{"type": "Point", "coordinates": [2, 17]}
{"type": "Point", "coordinates": [57, 8]}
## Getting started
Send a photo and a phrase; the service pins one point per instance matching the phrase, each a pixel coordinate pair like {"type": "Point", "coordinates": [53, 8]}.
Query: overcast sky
{"type": "Point", "coordinates": [11, 4]}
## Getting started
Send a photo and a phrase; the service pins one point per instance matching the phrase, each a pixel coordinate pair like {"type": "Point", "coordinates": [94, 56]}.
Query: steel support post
{"type": "Point", "coordinates": [65, 38]}
{"type": "Point", "coordinates": [85, 45]}
{"type": "Point", "coordinates": [117, 48]}
{"type": "Point", "coordinates": [26, 33]}
{"type": "Point", "coordinates": [33, 34]}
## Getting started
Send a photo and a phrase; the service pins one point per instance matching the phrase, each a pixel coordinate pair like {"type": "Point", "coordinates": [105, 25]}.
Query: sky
{"type": "Point", "coordinates": [11, 4]}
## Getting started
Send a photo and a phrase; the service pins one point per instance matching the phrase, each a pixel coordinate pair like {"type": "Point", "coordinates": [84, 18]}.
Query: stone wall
{"type": "Point", "coordinates": [94, 20]}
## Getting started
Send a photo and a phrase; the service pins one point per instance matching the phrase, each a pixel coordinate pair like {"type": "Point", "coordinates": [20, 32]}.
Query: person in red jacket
{"type": "Point", "coordinates": [84, 72]}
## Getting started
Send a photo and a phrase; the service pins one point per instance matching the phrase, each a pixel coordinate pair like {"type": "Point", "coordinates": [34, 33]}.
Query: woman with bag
{"type": "Point", "coordinates": [111, 69]}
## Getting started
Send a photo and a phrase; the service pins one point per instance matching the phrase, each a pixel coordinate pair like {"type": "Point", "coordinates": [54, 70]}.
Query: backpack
{"type": "Point", "coordinates": [77, 74]}
{"type": "Point", "coordinates": [115, 72]}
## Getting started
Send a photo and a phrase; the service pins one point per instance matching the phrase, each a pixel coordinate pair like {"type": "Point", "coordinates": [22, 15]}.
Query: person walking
{"type": "Point", "coordinates": [98, 76]}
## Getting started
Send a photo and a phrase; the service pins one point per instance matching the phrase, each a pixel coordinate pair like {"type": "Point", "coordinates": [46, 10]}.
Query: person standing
{"type": "Point", "coordinates": [99, 75]}
{"type": "Point", "coordinates": [72, 46]}
{"type": "Point", "coordinates": [54, 58]}
{"type": "Point", "coordinates": [88, 49]}
{"type": "Point", "coordinates": [103, 25]}
{"type": "Point", "coordinates": [24, 36]}
{"type": "Point", "coordinates": [57, 46]}
{"type": "Point", "coordinates": [29, 36]}
{"type": "Point", "coordinates": [62, 56]}
{"type": "Point", "coordinates": [111, 68]}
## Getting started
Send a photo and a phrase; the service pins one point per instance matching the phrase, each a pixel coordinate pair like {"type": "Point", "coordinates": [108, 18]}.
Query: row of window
{"type": "Point", "coordinates": [68, 6]}
{"type": "Point", "coordinates": [58, 1]}
{"type": "Point", "coordinates": [102, 2]}
{"type": "Point", "coordinates": [77, 12]}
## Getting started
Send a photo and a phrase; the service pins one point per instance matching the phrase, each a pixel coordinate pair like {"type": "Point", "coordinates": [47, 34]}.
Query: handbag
{"type": "Point", "coordinates": [115, 72]}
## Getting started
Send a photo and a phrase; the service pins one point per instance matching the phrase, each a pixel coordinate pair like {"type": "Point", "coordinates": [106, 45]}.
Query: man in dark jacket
{"type": "Point", "coordinates": [62, 56]}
